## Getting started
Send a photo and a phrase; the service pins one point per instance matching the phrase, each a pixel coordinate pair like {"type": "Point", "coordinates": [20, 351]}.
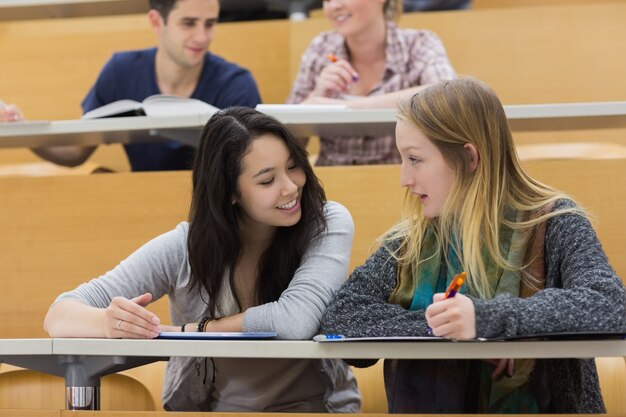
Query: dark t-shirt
{"type": "Point", "coordinates": [131, 75]}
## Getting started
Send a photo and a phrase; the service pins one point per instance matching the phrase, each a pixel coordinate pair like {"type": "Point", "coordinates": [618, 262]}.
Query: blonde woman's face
{"type": "Point", "coordinates": [424, 171]}
{"type": "Point", "coordinates": [353, 17]}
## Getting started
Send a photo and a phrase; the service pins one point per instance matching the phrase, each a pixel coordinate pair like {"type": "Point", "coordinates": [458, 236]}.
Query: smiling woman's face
{"type": "Point", "coordinates": [353, 17]}
{"type": "Point", "coordinates": [270, 185]}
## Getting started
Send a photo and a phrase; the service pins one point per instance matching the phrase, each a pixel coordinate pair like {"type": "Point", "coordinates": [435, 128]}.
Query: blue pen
{"type": "Point", "coordinates": [328, 337]}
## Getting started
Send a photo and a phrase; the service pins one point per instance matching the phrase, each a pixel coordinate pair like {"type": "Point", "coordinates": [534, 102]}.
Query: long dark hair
{"type": "Point", "coordinates": [214, 242]}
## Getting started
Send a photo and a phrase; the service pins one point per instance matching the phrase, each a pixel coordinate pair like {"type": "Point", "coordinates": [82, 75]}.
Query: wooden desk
{"type": "Point", "coordinates": [82, 362]}
{"type": "Point", "coordinates": [320, 122]}
{"type": "Point", "coordinates": [101, 131]}
{"type": "Point", "coordinates": [29, 347]}
{"type": "Point", "coordinates": [305, 349]}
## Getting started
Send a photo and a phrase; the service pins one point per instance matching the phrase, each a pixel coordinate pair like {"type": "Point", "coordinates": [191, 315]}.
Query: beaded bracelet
{"type": "Point", "coordinates": [202, 323]}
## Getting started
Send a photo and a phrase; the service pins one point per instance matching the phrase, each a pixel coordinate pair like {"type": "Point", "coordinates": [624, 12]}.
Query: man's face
{"type": "Point", "coordinates": [188, 31]}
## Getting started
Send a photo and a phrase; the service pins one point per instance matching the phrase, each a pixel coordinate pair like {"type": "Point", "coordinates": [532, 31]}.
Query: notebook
{"type": "Point", "coordinates": [217, 335]}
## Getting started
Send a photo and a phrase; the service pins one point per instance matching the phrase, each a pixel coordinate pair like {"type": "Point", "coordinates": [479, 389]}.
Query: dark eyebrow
{"type": "Point", "coordinates": [195, 19]}
{"type": "Point", "coordinates": [263, 171]}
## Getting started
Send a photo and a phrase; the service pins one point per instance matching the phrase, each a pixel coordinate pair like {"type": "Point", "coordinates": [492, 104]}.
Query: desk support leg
{"type": "Point", "coordinates": [82, 382]}
{"type": "Point", "coordinates": [82, 375]}
{"type": "Point", "coordinates": [82, 398]}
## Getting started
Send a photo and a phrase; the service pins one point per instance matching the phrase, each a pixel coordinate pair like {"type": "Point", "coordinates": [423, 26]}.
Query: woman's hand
{"type": "Point", "coordinates": [336, 77]}
{"type": "Point", "coordinates": [130, 319]}
{"type": "Point", "coordinates": [501, 366]}
{"type": "Point", "coordinates": [10, 113]}
{"type": "Point", "coordinates": [452, 317]}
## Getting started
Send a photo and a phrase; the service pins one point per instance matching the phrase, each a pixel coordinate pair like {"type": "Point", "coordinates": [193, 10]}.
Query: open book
{"type": "Point", "coordinates": [159, 105]}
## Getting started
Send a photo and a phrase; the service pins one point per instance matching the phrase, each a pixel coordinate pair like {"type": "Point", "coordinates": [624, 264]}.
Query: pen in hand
{"type": "Point", "coordinates": [455, 285]}
{"type": "Point", "coordinates": [453, 288]}
{"type": "Point", "coordinates": [332, 58]}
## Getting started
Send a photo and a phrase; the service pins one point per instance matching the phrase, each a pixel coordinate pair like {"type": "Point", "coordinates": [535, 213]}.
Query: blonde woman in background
{"type": "Point", "coordinates": [533, 261]}
{"type": "Point", "coordinates": [366, 61]}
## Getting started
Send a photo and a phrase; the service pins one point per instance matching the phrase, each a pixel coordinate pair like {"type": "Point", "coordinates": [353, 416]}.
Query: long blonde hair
{"type": "Point", "coordinates": [393, 9]}
{"type": "Point", "coordinates": [451, 114]}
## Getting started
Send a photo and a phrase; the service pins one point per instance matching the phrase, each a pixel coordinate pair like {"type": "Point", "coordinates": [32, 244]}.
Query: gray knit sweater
{"type": "Point", "coordinates": [582, 293]}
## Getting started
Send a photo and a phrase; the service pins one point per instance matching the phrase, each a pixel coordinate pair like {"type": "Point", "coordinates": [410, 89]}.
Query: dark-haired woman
{"type": "Point", "coordinates": [263, 251]}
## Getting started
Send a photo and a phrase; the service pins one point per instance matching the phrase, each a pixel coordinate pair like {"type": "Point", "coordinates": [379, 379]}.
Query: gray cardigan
{"type": "Point", "coordinates": [161, 267]}
{"type": "Point", "coordinates": [583, 293]}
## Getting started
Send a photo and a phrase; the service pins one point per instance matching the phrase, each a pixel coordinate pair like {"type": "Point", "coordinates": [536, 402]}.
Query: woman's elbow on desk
{"type": "Point", "coordinates": [288, 327]}
{"type": "Point", "coordinates": [71, 318]}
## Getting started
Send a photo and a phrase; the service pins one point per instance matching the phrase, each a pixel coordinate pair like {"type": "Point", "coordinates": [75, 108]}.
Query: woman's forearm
{"type": "Point", "coordinates": [72, 318]}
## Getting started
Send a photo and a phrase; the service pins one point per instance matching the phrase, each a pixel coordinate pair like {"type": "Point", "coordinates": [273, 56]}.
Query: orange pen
{"type": "Point", "coordinates": [455, 285]}
{"type": "Point", "coordinates": [333, 58]}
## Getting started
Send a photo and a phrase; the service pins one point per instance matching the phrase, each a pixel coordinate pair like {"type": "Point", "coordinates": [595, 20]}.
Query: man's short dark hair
{"type": "Point", "coordinates": [164, 7]}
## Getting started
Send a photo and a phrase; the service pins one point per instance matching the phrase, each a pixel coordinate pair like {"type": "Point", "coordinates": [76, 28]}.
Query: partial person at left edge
{"type": "Point", "coordinates": [179, 65]}
{"type": "Point", "coordinates": [10, 113]}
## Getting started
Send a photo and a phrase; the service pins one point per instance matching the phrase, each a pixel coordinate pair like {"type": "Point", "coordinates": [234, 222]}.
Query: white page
{"type": "Point", "coordinates": [168, 106]}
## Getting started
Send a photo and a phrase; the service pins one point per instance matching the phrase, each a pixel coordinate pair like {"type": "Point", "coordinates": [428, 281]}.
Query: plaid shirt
{"type": "Point", "coordinates": [414, 57]}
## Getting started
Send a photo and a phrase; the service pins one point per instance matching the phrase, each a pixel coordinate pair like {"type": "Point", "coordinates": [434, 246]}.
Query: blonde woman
{"type": "Point", "coordinates": [534, 265]}
{"type": "Point", "coordinates": [366, 61]}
